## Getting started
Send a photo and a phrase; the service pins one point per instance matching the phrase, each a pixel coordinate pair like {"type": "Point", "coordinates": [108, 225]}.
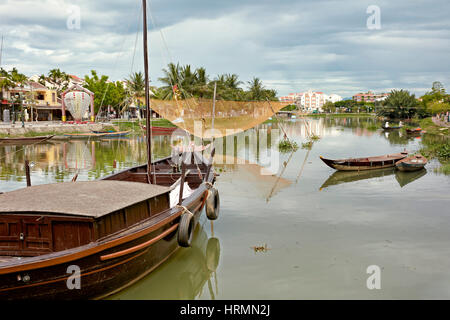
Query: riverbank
{"type": "Point", "coordinates": [339, 115]}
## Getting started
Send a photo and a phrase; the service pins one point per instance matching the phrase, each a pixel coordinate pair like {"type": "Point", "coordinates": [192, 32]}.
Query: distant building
{"type": "Point", "coordinates": [311, 101]}
{"type": "Point", "coordinates": [333, 98]}
{"type": "Point", "coordinates": [37, 99]}
{"type": "Point", "coordinates": [370, 97]}
{"type": "Point", "coordinates": [291, 98]}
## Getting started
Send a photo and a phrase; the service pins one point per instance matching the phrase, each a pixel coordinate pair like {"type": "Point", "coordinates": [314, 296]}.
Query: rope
{"type": "Point", "coordinates": [184, 209]}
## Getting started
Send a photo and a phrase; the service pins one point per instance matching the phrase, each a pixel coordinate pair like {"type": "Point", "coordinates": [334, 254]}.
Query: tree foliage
{"type": "Point", "coordinates": [107, 93]}
{"type": "Point", "coordinates": [400, 104]}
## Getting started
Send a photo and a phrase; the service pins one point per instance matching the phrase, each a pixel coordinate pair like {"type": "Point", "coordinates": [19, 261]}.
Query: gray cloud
{"type": "Point", "coordinates": [291, 45]}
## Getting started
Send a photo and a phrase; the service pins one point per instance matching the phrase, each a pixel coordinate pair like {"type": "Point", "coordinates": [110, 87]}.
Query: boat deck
{"type": "Point", "coordinates": [86, 198]}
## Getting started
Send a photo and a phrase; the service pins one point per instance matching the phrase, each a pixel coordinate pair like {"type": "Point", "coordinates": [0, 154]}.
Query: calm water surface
{"type": "Point", "coordinates": [322, 229]}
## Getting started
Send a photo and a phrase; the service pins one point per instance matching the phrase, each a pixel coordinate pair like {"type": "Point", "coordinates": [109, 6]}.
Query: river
{"type": "Point", "coordinates": [306, 232]}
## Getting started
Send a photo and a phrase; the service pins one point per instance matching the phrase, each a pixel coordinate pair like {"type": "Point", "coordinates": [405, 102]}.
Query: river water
{"type": "Point", "coordinates": [305, 232]}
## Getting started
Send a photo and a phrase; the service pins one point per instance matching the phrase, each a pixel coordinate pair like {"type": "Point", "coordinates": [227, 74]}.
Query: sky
{"type": "Point", "coordinates": [341, 47]}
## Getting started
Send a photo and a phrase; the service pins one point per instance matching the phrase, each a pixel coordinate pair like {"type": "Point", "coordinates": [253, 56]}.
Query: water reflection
{"type": "Point", "coordinates": [184, 276]}
{"type": "Point", "coordinates": [403, 178]}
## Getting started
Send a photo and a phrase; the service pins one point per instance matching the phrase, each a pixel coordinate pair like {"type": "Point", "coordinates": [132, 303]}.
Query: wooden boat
{"type": "Point", "coordinates": [113, 134]}
{"type": "Point", "coordinates": [390, 128]}
{"type": "Point", "coordinates": [84, 135]}
{"type": "Point", "coordinates": [90, 239]}
{"type": "Point", "coordinates": [160, 130]}
{"type": "Point", "coordinates": [414, 131]}
{"type": "Point", "coordinates": [412, 163]}
{"type": "Point", "coordinates": [368, 163]}
{"type": "Point", "coordinates": [25, 140]}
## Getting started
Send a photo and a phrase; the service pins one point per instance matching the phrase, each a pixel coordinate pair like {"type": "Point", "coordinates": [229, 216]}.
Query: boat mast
{"type": "Point", "coordinates": [147, 95]}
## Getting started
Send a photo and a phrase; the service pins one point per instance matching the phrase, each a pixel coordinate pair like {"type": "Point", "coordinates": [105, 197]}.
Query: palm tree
{"type": "Point", "coordinates": [136, 87]}
{"type": "Point", "coordinates": [172, 77]}
{"type": "Point", "coordinates": [232, 82]}
{"type": "Point", "coordinates": [59, 79]}
{"type": "Point", "coordinates": [256, 89]}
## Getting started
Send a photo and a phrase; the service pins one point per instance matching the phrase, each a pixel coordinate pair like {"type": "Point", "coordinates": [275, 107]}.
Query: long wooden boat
{"type": "Point", "coordinates": [25, 140]}
{"type": "Point", "coordinates": [113, 134]}
{"type": "Point", "coordinates": [115, 230]}
{"type": "Point", "coordinates": [160, 130]}
{"type": "Point", "coordinates": [368, 163]}
{"type": "Point", "coordinates": [412, 163]}
{"type": "Point", "coordinates": [390, 128]}
{"type": "Point", "coordinates": [84, 135]}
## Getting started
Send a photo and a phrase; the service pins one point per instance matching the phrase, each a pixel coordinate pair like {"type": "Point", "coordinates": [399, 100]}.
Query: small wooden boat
{"type": "Point", "coordinates": [160, 130]}
{"type": "Point", "coordinates": [368, 163]}
{"type": "Point", "coordinates": [25, 140]}
{"type": "Point", "coordinates": [84, 135]}
{"type": "Point", "coordinates": [414, 131]}
{"type": "Point", "coordinates": [113, 134]}
{"type": "Point", "coordinates": [412, 163]}
{"type": "Point", "coordinates": [390, 128]}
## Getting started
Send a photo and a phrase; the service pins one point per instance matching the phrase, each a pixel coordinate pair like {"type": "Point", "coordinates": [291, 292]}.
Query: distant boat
{"type": "Point", "coordinates": [412, 163]}
{"type": "Point", "coordinates": [25, 140]}
{"type": "Point", "coordinates": [414, 131]}
{"type": "Point", "coordinates": [390, 128]}
{"type": "Point", "coordinates": [84, 135]}
{"type": "Point", "coordinates": [368, 163]}
{"type": "Point", "coordinates": [113, 134]}
{"type": "Point", "coordinates": [160, 130]}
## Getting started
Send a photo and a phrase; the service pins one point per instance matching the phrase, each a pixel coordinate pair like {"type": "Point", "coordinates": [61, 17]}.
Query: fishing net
{"type": "Point", "coordinates": [195, 115]}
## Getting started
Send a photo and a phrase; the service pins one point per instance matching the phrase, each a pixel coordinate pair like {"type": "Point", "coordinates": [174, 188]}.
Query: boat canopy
{"type": "Point", "coordinates": [85, 198]}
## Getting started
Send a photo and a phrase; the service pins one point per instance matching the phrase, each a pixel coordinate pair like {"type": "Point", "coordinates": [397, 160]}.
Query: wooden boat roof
{"type": "Point", "coordinates": [84, 198]}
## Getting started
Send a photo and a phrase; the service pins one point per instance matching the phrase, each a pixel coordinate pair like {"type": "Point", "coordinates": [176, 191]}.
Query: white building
{"type": "Point", "coordinates": [334, 98]}
{"type": "Point", "coordinates": [311, 101]}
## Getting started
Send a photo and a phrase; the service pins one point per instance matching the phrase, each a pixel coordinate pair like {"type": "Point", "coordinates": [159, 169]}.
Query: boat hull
{"type": "Point", "coordinates": [25, 140]}
{"type": "Point", "coordinates": [414, 163]}
{"type": "Point", "coordinates": [370, 163]}
{"type": "Point", "coordinates": [104, 268]}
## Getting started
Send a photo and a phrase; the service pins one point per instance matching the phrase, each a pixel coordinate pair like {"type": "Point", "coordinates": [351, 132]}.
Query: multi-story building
{"type": "Point", "coordinates": [311, 101]}
{"type": "Point", "coordinates": [40, 102]}
{"type": "Point", "coordinates": [370, 97]}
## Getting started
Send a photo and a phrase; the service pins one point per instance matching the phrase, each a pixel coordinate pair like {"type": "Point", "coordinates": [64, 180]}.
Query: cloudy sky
{"type": "Point", "coordinates": [291, 45]}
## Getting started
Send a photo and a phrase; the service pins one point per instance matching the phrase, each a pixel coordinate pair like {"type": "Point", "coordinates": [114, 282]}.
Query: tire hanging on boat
{"type": "Point", "coordinates": [213, 204]}
{"type": "Point", "coordinates": [186, 229]}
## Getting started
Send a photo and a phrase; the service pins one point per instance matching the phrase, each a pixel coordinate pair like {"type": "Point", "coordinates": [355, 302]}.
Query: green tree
{"type": "Point", "coordinates": [58, 79]}
{"type": "Point", "coordinates": [400, 104]}
{"type": "Point", "coordinates": [106, 93]}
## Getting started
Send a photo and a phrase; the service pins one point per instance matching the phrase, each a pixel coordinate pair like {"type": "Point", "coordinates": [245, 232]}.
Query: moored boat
{"type": "Point", "coordinates": [25, 140]}
{"type": "Point", "coordinates": [84, 135]}
{"type": "Point", "coordinates": [414, 131]}
{"type": "Point", "coordinates": [90, 239]}
{"type": "Point", "coordinates": [367, 163]}
{"type": "Point", "coordinates": [156, 130]}
{"type": "Point", "coordinates": [412, 163]}
{"type": "Point", "coordinates": [113, 134]}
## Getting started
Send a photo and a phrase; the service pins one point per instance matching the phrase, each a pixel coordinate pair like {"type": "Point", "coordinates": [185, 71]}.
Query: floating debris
{"type": "Point", "coordinates": [260, 248]}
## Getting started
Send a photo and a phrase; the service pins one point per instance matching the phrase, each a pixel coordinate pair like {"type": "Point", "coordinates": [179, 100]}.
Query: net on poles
{"type": "Point", "coordinates": [230, 116]}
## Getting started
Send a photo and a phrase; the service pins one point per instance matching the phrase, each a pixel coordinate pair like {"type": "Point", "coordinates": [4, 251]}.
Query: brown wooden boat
{"type": "Point", "coordinates": [412, 163]}
{"type": "Point", "coordinates": [116, 230]}
{"type": "Point", "coordinates": [160, 130]}
{"type": "Point", "coordinates": [25, 140]}
{"type": "Point", "coordinates": [368, 163]}
{"type": "Point", "coordinates": [90, 239]}
{"type": "Point", "coordinates": [414, 131]}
